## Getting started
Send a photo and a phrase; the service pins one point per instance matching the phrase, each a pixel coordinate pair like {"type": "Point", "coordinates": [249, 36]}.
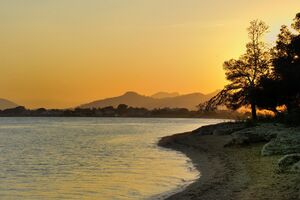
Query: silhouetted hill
{"type": "Point", "coordinates": [6, 104]}
{"type": "Point", "coordinates": [162, 95]}
{"type": "Point", "coordinates": [189, 101]}
{"type": "Point", "coordinates": [133, 99]}
{"type": "Point", "coordinates": [129, 98]}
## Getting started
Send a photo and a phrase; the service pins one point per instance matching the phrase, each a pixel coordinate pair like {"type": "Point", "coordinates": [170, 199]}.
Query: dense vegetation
{"type": "Point", "coordinates": [121, 111]}
{"type": "Point", "coordinates": [264, 78]}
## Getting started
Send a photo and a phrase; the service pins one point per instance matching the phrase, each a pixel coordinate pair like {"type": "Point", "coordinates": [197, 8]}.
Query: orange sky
{"type": "Point", "coordinates": [68, 52]}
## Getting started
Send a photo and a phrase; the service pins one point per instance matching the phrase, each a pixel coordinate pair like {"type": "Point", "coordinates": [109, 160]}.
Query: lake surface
{"type": "Point", "coordinates": [91, 158]}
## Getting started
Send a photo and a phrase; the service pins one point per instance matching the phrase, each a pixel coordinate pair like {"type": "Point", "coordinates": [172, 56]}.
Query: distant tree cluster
{"type": "Point", "coordinates": [120, 111]}
{"type": "Point", "coordinates": [263, 78]}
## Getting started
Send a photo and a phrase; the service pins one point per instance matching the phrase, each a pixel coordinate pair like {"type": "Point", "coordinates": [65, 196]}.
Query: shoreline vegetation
{"type": "Point", "coordinates": [239, 161]}
{"type": "Point", "coordinates": [264, 77]}
{"type": "Point", "coordinates": [120, 111]}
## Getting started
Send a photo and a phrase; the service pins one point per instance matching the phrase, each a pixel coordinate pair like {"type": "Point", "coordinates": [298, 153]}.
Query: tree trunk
{"type": "Point", "coordinates": [253, 111]}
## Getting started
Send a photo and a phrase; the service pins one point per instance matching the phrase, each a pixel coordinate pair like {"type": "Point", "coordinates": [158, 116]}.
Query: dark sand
{"type": "Point", "coordinates": [231, 173]}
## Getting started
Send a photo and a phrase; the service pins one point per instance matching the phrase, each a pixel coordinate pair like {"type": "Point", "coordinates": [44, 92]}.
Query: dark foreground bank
{"type": "Point", "coordinates": [236, 163]}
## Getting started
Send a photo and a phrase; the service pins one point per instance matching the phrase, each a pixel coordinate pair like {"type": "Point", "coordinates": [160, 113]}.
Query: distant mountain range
{"type": "Point", "coordinates": [6, 104]}
{"type": "Point", "coordinates": [158, 100]}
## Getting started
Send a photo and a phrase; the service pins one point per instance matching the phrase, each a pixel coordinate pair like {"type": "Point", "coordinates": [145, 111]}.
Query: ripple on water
{"type": "Point", "coordinates": [91, 158]}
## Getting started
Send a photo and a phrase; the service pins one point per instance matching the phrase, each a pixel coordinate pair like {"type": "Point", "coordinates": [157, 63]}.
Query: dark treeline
{"type": "Point", "coordinates": [121, 111]}
{"type": "Point", "coordinates": [264, 77]}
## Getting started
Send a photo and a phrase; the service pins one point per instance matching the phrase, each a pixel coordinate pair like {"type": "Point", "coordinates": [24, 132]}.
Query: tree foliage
{"type": "Point", "coordinates": [262, 77]}
{"type": "Point", "coordinates": [286, 63]}
{"type": "Point", "coordinates": [244, 73]}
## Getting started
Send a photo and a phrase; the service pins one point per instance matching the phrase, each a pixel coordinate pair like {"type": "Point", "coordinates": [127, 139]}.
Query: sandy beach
{"type": "Point", "coordinates": [231, 172]}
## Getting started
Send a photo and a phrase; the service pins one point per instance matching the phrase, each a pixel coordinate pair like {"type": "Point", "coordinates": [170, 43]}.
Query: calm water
{"type": "Point", "coordinates": [91, 158]}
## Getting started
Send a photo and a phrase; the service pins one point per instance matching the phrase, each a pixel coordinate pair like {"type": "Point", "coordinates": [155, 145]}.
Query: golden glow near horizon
{"type": "Point", "coordinates": [67, 52]}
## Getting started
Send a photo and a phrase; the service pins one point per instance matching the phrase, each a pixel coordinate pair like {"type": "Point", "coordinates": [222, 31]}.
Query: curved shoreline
{"type": "Point", "coordinates": [207, 159]}
{"type": "Point", "coordinates": [230, 173]}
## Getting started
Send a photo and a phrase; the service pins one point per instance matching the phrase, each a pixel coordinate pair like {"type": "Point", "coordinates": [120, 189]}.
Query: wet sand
{"type": "Point", "coordinates": [231, 173]}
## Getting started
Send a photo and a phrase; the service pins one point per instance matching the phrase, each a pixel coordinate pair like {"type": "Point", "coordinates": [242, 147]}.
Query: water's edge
{"type": "Point", "coordinates": [167, 194]}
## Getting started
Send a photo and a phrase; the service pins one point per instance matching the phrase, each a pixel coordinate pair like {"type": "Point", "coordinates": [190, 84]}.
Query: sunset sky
{"type": "Point", "coordinates": [62, 53]}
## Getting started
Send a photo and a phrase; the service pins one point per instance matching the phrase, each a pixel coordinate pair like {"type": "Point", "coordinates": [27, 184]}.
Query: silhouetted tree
{"type": "Point", "coordinates": [286, 62]}
{"type": "Point", "coordinates": [268, 95]}
{"type": "Point", "coordinates": [296, 24]}
{"type": "Point", "coordinates": [122, 109]}
{"type": "Point", "coordinates": [244, 73]}
{"type": "Point", "coordinates": [17, 111]}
